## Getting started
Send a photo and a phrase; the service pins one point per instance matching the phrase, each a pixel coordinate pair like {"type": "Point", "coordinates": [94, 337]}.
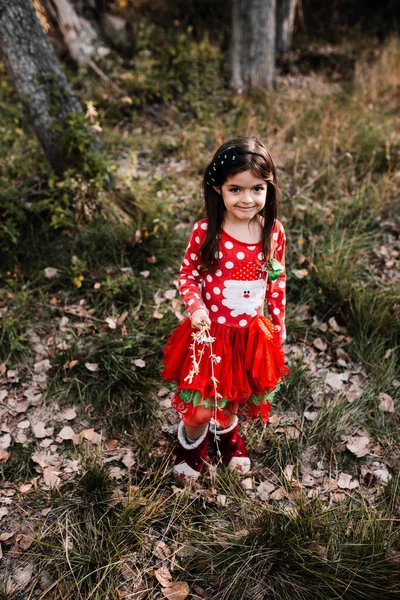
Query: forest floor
{"type": "Point", "coordinates": [88, 504]}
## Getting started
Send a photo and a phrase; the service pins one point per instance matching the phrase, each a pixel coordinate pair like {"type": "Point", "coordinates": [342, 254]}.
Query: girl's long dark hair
{"type": "Point", "coordinates": [263, 168]}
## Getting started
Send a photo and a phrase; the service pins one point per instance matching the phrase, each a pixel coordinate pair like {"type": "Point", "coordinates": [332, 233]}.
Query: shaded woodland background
{"type": "Point", "coordinates": [89, 261]}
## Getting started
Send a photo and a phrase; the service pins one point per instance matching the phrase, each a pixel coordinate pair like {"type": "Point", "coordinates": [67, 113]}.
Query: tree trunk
{"type": "Point", "coordinates": [40, 83]}
{"type": "Point", "coordinates": [285, 14]}
{"type": "Point", "coordinates": [80, 37]}
{"type": "Point", "coordinates": [252, 51]}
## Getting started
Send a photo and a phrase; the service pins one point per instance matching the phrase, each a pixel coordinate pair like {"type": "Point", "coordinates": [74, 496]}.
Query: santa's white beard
{"type": "Point", "coordinates": [234, 299]}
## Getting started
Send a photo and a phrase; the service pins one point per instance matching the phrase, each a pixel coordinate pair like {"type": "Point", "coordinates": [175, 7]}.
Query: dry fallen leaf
{"type": "Point", "coordinates": [92, 367]}
{"type": "Point", "coordinates": [128, 459]}
{"type": "Point", "coordinates": [278, 494]}
{"type": "Point", "coordinates": [386, 402]}
{"type": "Point", "coordinates": [122, 318]}
{"type": "Point", "coordinates": [139, 362]}
{"type": "Point", "coordinates": [311, 416]}
{"type": "Point", "coordinates": [335, 381]}
{"type": "Point", "coordinates": [40, 430]}
{"type": "Point", "coordinates": [66, 433]}
{"type": "Point", "coordinates": [68, 414]}
{"type": "Point", "coordinates": [176, 590]}
{"type": "Point", "coordinates": [51, 477]}
{"type": "Point", "coordinates": [247, 484]}
{"type": "Point", "coordinates": [345, 481]}
{"type": "Point", "coordinates": [288, 471]}
{"type": "Point", "coordinates": [4, 455]}
{"type": "Point", "coordinates": [50, 272]}
{"type": "Point", "coordinates": [358, 446]}
{"type": "Point", "coordinates": [88, 434]}
{"type": "Point", "coordinates": [320, 344]}
{"type": "Point", "coordinates": [170, 294]}
{"type": "Point", "coordinates": [163, 576]}
{"type": "Point", "coordinates": [111, 444]}
{"type": "Point", "coordinates": [111, 322]}
{"type": "Point", "coordinates": [338, 497]}
{"type": "Point", "coordinates": [5, 441]}
{"type": "Point", "coordinates": [161, 550]}
{"type": "Point", "coordinates": [42, 459]}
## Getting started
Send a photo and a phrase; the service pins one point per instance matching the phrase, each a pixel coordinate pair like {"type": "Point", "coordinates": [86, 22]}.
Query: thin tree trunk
{"type": "Point", "coordinates": [80, 37]}
{"type": "Point", "coordinates": [253, 44]}
{"type": "Point", "coordinates": [285, 14]}
{"type": "Point", "coordinates": [40, 83]}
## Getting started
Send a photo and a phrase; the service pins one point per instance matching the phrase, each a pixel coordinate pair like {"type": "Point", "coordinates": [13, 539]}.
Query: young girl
{"type": "Point", "coordinates": [226, 358]}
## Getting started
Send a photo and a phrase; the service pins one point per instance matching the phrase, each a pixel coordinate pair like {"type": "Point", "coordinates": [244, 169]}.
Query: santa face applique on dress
{"type": "Point", "coordinates": [244, 293]}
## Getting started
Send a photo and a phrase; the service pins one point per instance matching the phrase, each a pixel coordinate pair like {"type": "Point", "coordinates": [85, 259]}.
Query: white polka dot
{"type": "Point", "coordinates": [221, 320]}
{"type": "Point", "coordinates": [240, 255]}
{"type": "Point", "coordinates": [284, 301]}
{"type": "Point", "coordinates": [281, 284]}
{"type": "Point", "coordinates": [278, 327]}
{"type": "Point", "coordinates": [185, 292]}
{"type": "Point", "coordinates": [208, 296]}
{"type": "Point", "coordinates": [275, 295]}
{"type": "Point", "coordinates": [218, 273]}
{"type": "Point", "coordinates": [196, 226]}
{"type": "Point", "coordinates": [182, 281]}
{"type": "Point", "coordinates": [283, 231]}
{"type": "Point", "coordinates": [191, 302]}
{"type": "Point", "coordinates": [275, 235]}
{"type": "Point", "coordinates": [197, 296]}
{"type": "Point", "coordinates": [214, 308]}
{"type": "Point", "coordinates": [228, 245]}
{"type": "Point", "coordinates": [193, 256]}
{"type": "Point", "coordinates": [185, 260]}
{"type": "Point", "coordinates": [251, 247]}
{"type": "Point", "coordinates": [218, 255]}
{"type": "Point", "coordinates": [189, 244]}
{"type": "Point", "coordinates": [217, 290]}
{"type": "Point", "coordinates": [195, 273]}
{"type": "Point", "coordinates": [276, 311]}
{"type": "Point", "coordinates": [279, 248]}
{"type": "Point", "coordinates": [209, 278]}
{"type": "Point", "coordinates": [229, 265]}
{"type": "Point", "coordinates": [204, 226]}
{"type": "Point", "coordinates": [243, 323]}
{"type": "Point", "coordinates": [260, 255]}
{"type": "Point", "coordinates": [197, 240]}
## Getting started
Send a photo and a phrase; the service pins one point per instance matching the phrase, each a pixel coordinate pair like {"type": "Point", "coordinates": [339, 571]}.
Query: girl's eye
{"type": "Point", "coordinates": [258, 188]}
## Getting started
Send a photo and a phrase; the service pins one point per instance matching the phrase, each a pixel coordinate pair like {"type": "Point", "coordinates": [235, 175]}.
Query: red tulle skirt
{"type": "Point", "coordinates": [234, 373]}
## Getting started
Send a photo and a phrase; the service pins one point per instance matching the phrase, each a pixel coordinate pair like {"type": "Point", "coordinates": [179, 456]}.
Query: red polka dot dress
{"type": "Point", "coordinates": [243, 367]}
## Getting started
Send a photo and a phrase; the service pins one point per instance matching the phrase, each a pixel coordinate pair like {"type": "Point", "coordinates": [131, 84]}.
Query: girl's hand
{"type": "Point", "coordinates": [198, 317]}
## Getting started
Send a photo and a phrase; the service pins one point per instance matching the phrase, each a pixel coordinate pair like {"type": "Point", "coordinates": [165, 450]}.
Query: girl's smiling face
{"type": "Point", "coordinates": [244, 195]}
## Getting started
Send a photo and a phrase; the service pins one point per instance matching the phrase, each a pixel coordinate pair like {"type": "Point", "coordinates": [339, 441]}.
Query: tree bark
{"type": "Point", "coordinates": [40, 83]}
{"type": "Point", "coordinates": [252, 51]}
{"type": "Point", "coordinates": [285, 14]}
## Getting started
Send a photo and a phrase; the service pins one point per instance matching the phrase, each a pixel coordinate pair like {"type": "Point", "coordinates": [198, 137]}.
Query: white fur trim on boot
{"type": "Point", "coordinates": [240, 463]}
{"type": "Point", "coordinates": [182, 471]}
{"type": "Point", "coordinates": [222, 431]}
{"type": "Point", "coordinates": [182, 437]}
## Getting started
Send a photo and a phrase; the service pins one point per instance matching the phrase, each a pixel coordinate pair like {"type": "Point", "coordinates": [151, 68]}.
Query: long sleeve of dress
{"type": "Point", "coordinates": [190, 280]}
{"type": "Point", "coordinates": [276, 290]}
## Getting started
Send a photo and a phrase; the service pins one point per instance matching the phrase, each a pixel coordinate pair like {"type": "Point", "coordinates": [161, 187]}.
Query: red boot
{"type": "Point", "coordinates": [232, 447]}
{"type": "Point", "coordinates": [190, 457]}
